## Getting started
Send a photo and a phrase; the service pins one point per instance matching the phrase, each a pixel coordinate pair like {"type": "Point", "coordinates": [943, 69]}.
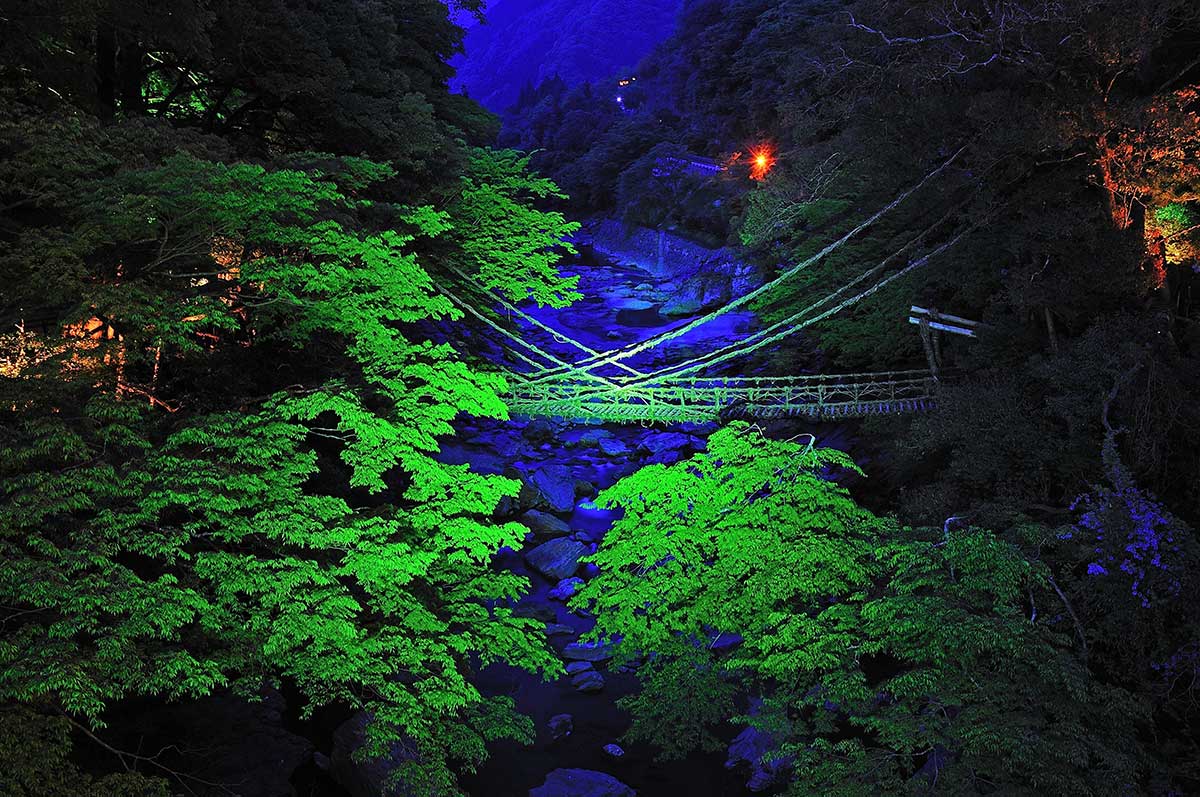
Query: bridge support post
{"type": "Point", "coordinates": [930, 344]}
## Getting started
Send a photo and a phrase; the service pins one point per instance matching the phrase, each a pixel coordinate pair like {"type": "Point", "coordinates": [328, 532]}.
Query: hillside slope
{"type": "Point", "coordinates": [527, 41]}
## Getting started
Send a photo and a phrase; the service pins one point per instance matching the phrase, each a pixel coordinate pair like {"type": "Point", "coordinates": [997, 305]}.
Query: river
{"type": "Point", "coordinates": [620, 307]}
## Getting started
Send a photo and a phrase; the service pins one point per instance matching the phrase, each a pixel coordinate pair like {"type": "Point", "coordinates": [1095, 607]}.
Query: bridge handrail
{"type": "Point", "coordinates": [718, 392]}
{"type": "Point", "coordinates": [631, 385]}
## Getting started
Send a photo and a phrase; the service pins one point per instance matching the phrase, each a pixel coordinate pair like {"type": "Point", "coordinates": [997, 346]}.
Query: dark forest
{"type": "Point", "coordinates": [592, 398]}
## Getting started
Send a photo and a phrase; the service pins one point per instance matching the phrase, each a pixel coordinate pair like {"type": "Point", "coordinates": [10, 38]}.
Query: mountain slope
{"type": "Point", "coordinates": [527, 41]}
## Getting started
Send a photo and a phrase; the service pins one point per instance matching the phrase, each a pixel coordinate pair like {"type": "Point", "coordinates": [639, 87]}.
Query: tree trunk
{"type": "Point", "coordinates": [130, 58]}
{"type": "Point", "coordinates": [106, 70]}
{"type": "Point", "coordinates": [1050, 333]}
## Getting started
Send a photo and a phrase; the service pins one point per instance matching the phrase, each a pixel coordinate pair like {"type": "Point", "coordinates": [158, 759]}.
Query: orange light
{"type": "Point", "coordinates": [763, 160]}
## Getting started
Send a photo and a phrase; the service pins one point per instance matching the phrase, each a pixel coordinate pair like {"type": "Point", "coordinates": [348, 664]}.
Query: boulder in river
{"type": "Point", "coordinates": [587, 651]}
{"type": "Point", "coordinates": [581, 783]}
{"type": "Point", "coordinates": [660, 442]}
{"type": "Point", "coordinates": [539, 430]}
{"type": "Point", "coordinates": [555, 487]}
{"type": "Point", "coordinates": [612, 446]}
{"type": "Point", "coordinates": [557, 559]}
{"type": "Point", "coordinates": [587, 681]}
{"type": "Point", "coordinates": [634, 304]}
{"type": "Point", "coordinates": [565, 589]}
{"type": "Point", "coordinates": [544, 524]}
{"type": "Point", "coordinates": [560, 726]}
{"type": "Point", "coordinates": [592, 437]}
{"type": "Point", "coordinates": [750, 747]}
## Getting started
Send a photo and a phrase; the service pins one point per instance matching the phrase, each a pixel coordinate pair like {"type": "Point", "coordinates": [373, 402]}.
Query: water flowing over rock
{"type": "Point", "coordinates": [581, 783]}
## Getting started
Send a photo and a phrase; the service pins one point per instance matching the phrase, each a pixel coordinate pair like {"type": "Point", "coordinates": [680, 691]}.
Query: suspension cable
{"type": "Point", "coordinates": [624, 353]}
{"type": "Point", "coordinates": [520, 341]}
{"type": "Point", "coordinates": [560, 337]}
{"type": "Point", "coordinates": [750, 340]}
{"type": "Point", "coordinates": [729, 355]}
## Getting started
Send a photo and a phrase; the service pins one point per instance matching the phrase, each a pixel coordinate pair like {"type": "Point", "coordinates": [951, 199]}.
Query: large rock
{"type": "Point", "coordinates": [587, 651]}
{"type": "Point", "coordinates": [749, 747]}
{"type": "Point", "coordinates": [612, 447]}
{"type": "Point", "coordinates": [560, 726]}
{"type": "Point", "coordinates": [369, 778]}
{"type": "Point", "coordinates": [634, 304]}
{"type": "Point", "coordinates": [557, 559]}
{"type": "Point", "coordinates": [593, 437]}
{"type": "Point", "coordinates": [698, 294]}
{"type": "Point", "coordinates": [539, 430]}
{"type": "Point", "coordinates": [587, 681]}
{"type": "Point", "coordinates": [555, 487]}
{"type": "Point", "coordinates": [581, 783]}
{"type": "Point", "coordinates": [544, 524]}
{"type": "Point", "coordinates": [659, 442]}
{"type": "Point", "coordinates": [565, 589]}
{"type": "Point", "coordinates": [614, 750]}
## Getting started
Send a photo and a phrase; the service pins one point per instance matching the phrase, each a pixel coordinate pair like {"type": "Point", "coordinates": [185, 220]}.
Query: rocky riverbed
{"type": "Point", "coordinates": [562, 466]}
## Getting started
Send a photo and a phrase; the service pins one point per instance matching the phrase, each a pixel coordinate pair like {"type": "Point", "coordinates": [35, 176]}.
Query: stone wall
{"type": "Point", "coordinates": [704, 278]}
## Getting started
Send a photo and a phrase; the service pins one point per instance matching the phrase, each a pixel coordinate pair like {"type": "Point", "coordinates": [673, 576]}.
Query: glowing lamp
{"type": "Point", "coordinates": [761, 161]}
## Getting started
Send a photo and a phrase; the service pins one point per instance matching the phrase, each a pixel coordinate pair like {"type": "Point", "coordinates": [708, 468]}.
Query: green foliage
{"type": "Point", "coordinates": [508, 242]}
{"type": "Point", "coordinates": [890, 658]}
{"type": "Point", "coordinates": [681, 701]}
{"type": "Point", "coordinates": [293, 526]}
{"type": "Point", "coordinates": [361, 77]}
{"type": "Point", "coordinates": [35, 761]}
{"type": "Point", "coordinates": [1177, 223]}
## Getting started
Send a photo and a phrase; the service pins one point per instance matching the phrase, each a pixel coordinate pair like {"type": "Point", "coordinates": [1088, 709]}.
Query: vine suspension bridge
{"type": "Point", "coordinates": [589, 389]}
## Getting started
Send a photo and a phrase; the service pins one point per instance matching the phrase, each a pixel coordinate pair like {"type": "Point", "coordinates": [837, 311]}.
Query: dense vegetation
{"type": "Point", "coordinates": [1063, 453]}
{"type": "Point", "coordinates": [224, 226]}
{"type": "Point", "coordinates": [221, 476]}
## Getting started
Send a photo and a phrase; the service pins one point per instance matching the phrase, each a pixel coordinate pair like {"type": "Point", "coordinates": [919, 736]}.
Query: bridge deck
{"type": "Point", "coordinates": [702, 399]}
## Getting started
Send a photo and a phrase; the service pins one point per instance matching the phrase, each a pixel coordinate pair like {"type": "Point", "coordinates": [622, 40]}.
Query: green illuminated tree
{"type": "Point", "coordinates": [248, 525]}
{"type": "Point", "coordinates": [888, 660]}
